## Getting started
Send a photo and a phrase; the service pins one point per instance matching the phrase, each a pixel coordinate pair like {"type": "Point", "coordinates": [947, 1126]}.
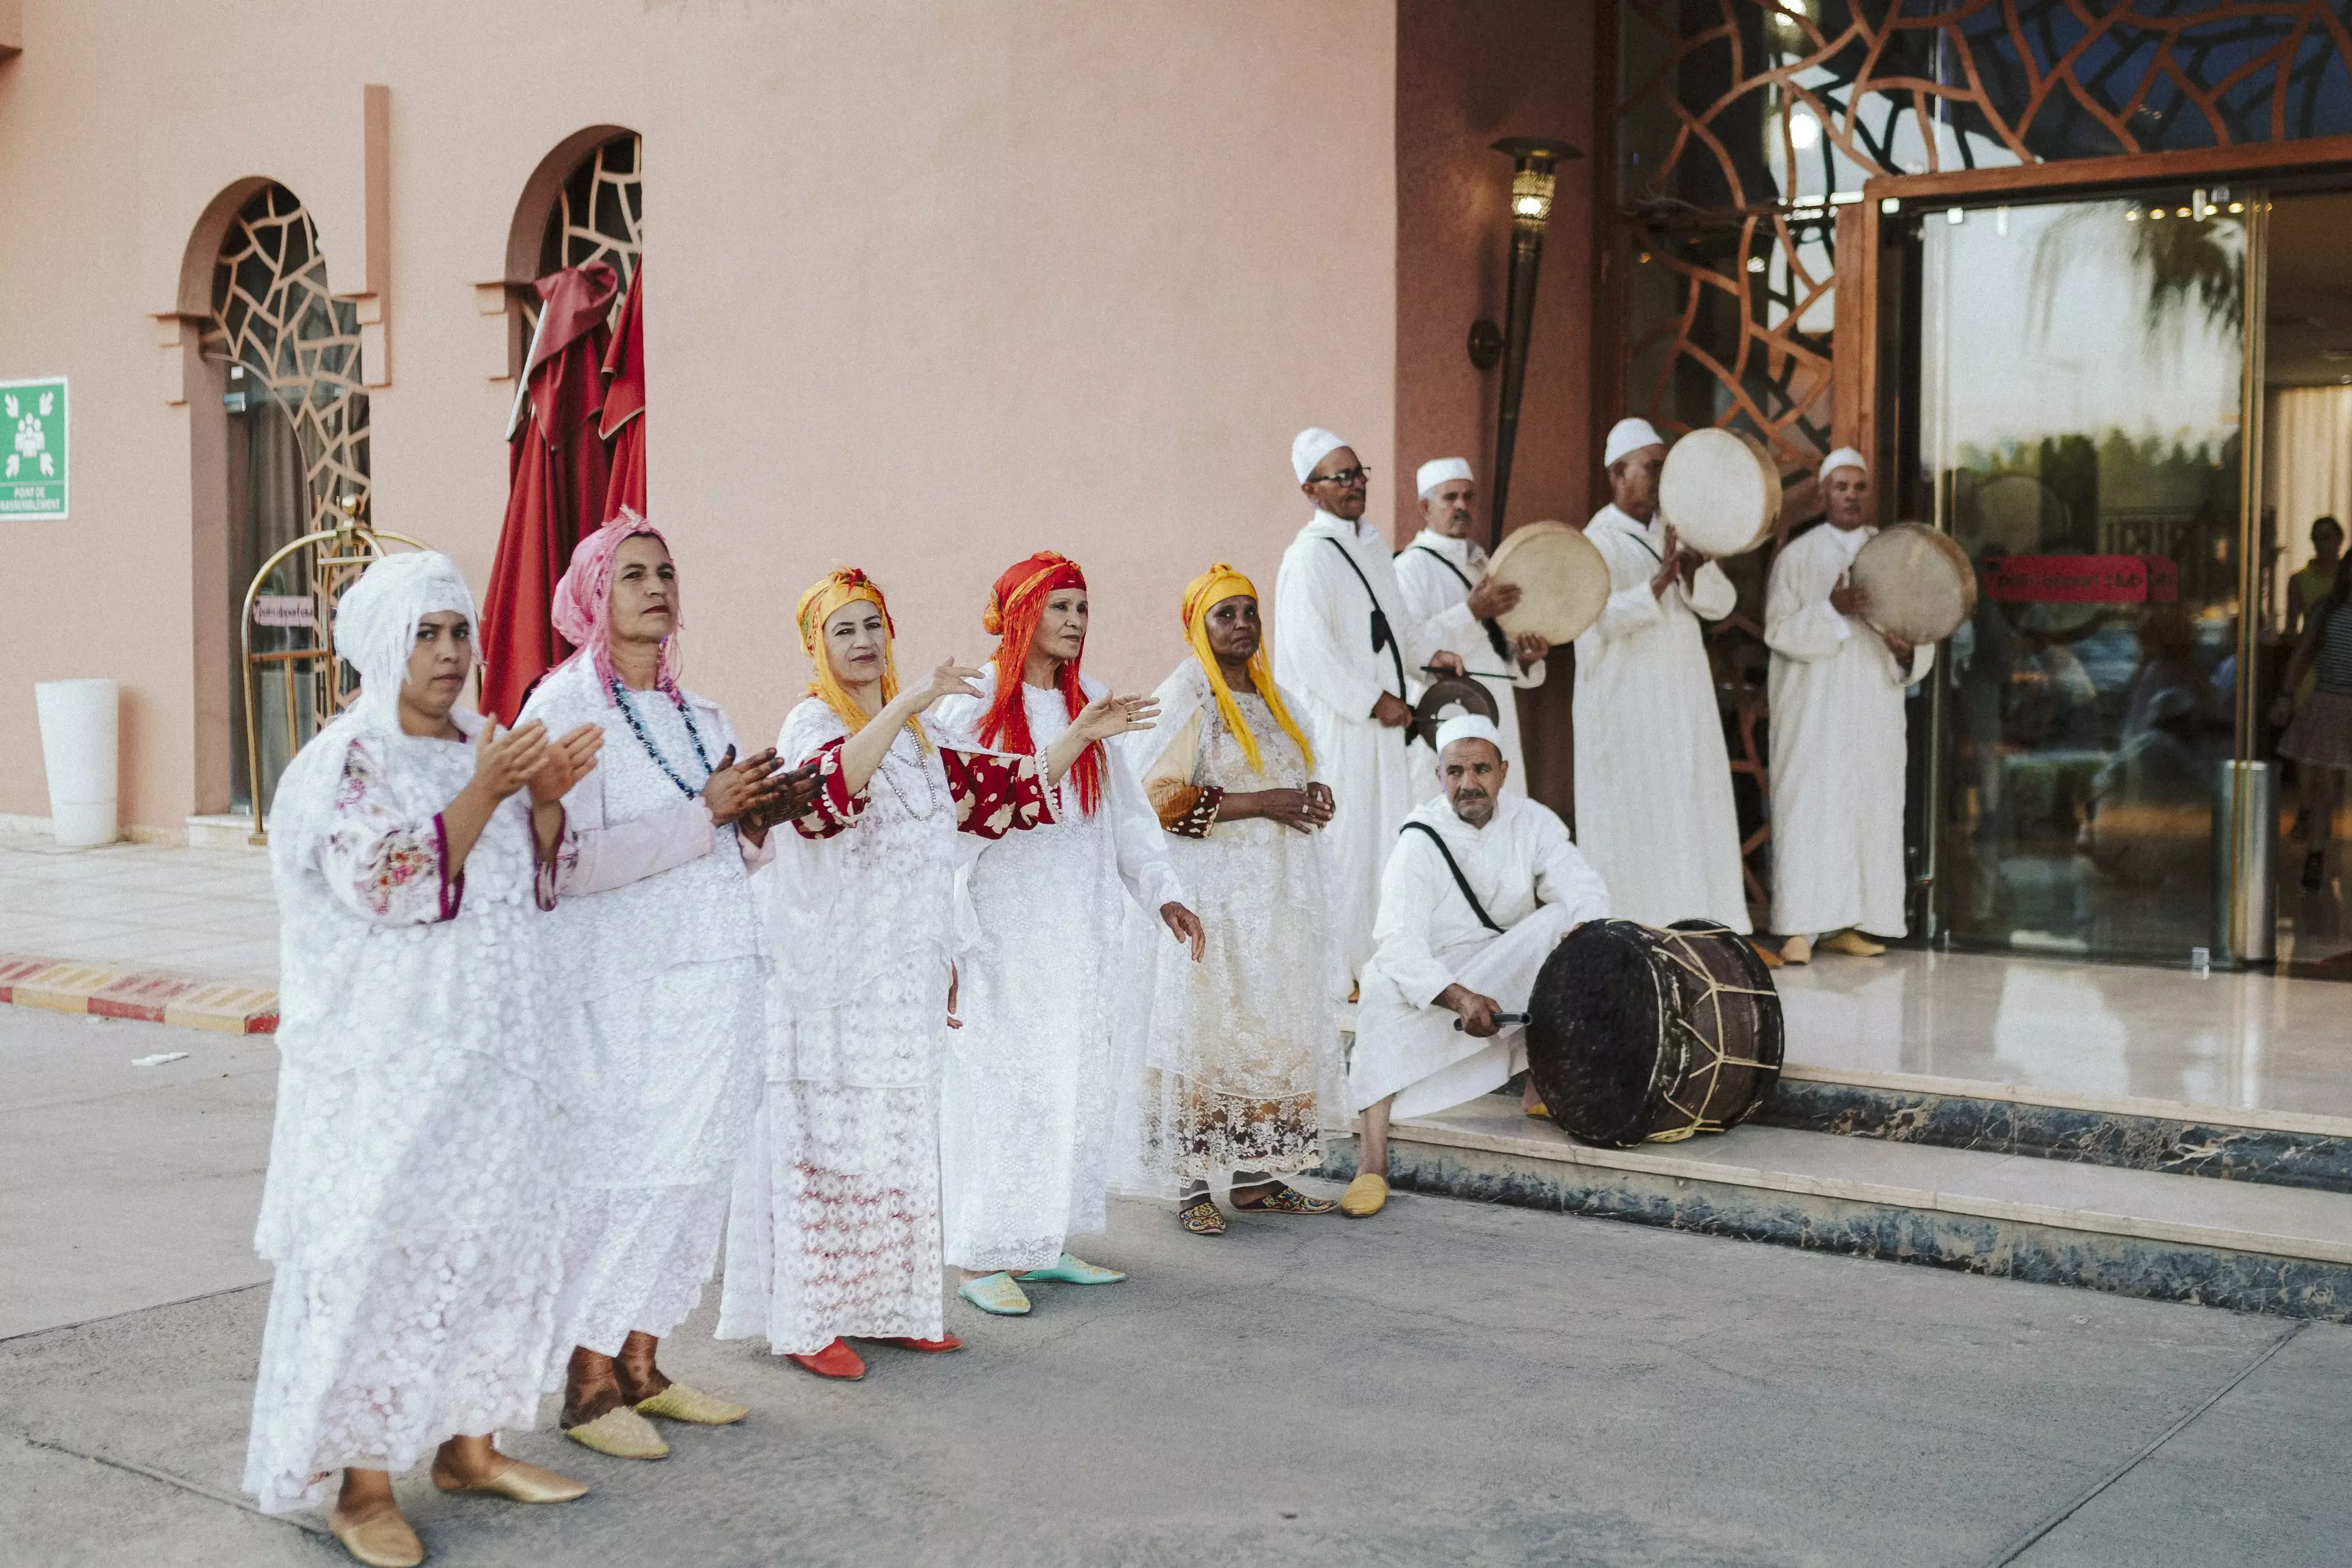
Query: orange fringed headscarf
{"type": "Point", "coordinates": [847, 585]}
{"type": "Point", "coordinates": [1014, 608]}
{"type": "Point", "coordinates": [1212, 587]}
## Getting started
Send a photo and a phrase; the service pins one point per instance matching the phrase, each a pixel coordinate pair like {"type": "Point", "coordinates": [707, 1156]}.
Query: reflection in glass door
{"type": "Point", "coordinates": [2082, 368]}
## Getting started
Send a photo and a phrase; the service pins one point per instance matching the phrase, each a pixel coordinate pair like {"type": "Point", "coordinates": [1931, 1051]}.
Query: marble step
{"type": "Point", "coordinates": [2151, 1234]}
{"type": "Point", "coordinates": [2272, 1148]}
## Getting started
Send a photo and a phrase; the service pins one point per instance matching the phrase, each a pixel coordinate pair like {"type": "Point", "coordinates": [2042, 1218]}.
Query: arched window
{"type": "Point", "coordinates": [600, 214]}
{"type": "Point", "coordinates": [297, 458]}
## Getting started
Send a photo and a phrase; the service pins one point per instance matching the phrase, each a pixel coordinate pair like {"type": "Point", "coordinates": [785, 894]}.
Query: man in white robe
{"type": "Point", "coordinates": [1345, 646]}
{"type": "Point", "coordinates": [1442, 574]}
{"type": "Point", "coordinates": [1479, 889]}
{"type": "Point", "coordinates": [1838, 751]}
{"type": "Point", "coordinates": [1653, 805]}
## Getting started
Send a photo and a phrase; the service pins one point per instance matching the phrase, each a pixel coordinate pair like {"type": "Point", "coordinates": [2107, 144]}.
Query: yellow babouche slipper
{"type": "Point", "coordinates": [384, 1541]}
{"type": "Point", "coordinates": [521, 1481]}
{"type": "Point", "coordinates": [679, 1403]}
{"type": "Point", "coordinates": [1854, 943]}
{"type": "Point", "coordinates": [1365, 1196]}
{"type": "Point", "coordinates": [621, 1433]}
{"type": "Point", "coordinates": [1797, 950]}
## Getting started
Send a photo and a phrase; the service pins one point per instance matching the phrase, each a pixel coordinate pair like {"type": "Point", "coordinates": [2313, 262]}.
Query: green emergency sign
{"type": "Point", "coordinates": [33, 448]}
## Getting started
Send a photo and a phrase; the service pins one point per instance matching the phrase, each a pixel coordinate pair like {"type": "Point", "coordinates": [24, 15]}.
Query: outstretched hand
{"type": "Point", "coordinates": [1108, 716]}
{"type": "Point", "coordinates": [565, 763]}
{"type": "Point", "coordinates": [949, 679]}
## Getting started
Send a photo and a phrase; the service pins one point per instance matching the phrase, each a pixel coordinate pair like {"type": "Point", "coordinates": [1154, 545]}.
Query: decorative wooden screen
{"type": "Point", "coordinates": [272, 314]}
{"type": "Point", "coordinates": [601, 215]}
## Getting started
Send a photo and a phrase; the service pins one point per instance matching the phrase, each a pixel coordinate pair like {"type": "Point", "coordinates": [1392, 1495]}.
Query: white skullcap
{"type": "Point", "coordinates": [1843, 457]}
{"type": "Point", "coordinates": [1468, 727]}
{"type": "Point", "coordinates": [1310, 448]}
{"type": "Point", "coordinates": [1438, 472]}
{"type": "Point", "coordinates": [1628, 436]}
{"type": "Point", "coordinates": [377, 621]}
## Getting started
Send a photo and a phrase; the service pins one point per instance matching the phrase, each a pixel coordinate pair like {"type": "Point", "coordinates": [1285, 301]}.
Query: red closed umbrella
{"type": "Point", "coordinates": [623, 425]}
{"type": "Point", "coordinates": [557, 474]}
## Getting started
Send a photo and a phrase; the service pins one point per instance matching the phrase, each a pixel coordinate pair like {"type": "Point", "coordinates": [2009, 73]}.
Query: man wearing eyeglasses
{"type": "Point", "coordinates": [1344, 644]}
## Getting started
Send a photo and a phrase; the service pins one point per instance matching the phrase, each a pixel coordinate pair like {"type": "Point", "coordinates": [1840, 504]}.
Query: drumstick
{"type": "Point", "coordinates": [1504, 1020]}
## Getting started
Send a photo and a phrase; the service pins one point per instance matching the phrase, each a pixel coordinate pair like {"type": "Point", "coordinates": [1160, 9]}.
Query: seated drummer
{"type": "Point", "coordinates": [1480, 887]}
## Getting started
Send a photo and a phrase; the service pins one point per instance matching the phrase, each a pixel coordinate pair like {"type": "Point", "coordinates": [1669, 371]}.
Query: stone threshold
{"type": "Point", "coordinates": [118, 991]}
{"type": "Point", "coordinates": [2136, 1232]}
{"type": "Point", "coordinates": [2142, 1134]}
{"type": "Point", "coordinates": [2067, 1099]}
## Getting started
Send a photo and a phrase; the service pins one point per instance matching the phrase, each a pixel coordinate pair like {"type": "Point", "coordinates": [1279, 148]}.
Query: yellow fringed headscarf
{"type": "Point", "coordinates": [1211, 587]}
{"type": "Point", "coordinates": [847, 585]}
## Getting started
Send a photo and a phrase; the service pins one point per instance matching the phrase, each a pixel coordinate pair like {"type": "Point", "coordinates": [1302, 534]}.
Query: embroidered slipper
{"type": "Point", "coordinates": [679, 1403]}
{"type": "Point", "coordinates": [1284, 1199]}
{"type": "Point", "coordinates": [995, 1293]}
{"type": "Point", "coordinates": [1071, 1270]}
{"type": "Point", "coordinates": [1201, 1218]}
{"type": "Point", "coordinates": [621, 1433]}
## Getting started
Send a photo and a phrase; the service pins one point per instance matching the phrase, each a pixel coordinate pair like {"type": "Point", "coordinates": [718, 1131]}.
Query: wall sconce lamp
{"type": "Point", "coordinates": [1533, 159]}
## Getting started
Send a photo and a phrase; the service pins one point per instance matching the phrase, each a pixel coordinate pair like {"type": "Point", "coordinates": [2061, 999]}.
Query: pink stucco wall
{"type": "Point", "coordinates": [932, 285]}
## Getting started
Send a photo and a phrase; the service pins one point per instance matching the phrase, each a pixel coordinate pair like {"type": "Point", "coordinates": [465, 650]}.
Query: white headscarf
{"type": "Point", "coordinates": [1309, 448]}
{"type": "Point", "coordinates": [1843, 457]}
{"type": "Point", "coordinates": [1439, 471]}
{"type": "Point", "coordinates": [377, 621]}
{"type": "Point", "coordinates": [1468, 727]}
{"type": "Point", "coordinates": [1628, 436]}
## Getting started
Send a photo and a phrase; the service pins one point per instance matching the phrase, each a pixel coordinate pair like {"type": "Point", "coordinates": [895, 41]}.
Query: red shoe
{"type": "Point", "coordinates": [939, 1346]}
{"type": "Point", "coordinates": [836, 1360]}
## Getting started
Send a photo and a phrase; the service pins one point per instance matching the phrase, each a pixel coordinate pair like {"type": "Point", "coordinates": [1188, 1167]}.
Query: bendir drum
{"type": "Point", "coordinates": [1920, 585]}
{"type": "Point", "coordinates": [1563, 579]}
{"type": "Point", "coordinates": [1639, 1035]}
{"type": "Point", "coordinates": [1721, 490]}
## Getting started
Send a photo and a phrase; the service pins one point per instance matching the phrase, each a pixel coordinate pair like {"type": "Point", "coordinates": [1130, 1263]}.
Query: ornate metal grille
{"type": "Point", "coordinates": [272, 314]}
{"type": "Point", "coordinates": [601, 215]}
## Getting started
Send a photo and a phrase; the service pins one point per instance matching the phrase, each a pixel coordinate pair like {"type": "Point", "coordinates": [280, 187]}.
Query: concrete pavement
{"type": "Point", "coordinates": [1448, 1382]}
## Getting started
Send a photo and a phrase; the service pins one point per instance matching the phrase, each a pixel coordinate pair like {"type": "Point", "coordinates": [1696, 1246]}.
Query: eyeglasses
{"type": "Point", "coordinates": [1349, 478]}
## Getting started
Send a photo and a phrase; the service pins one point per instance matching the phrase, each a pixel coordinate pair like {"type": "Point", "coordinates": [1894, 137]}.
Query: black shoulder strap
{"type": "Point", "coordinates": [1382, 636]}
{"type": "Point", "coordinates": [1460, 880]}
{"type": "Point", "coordinates": [1495, 638]}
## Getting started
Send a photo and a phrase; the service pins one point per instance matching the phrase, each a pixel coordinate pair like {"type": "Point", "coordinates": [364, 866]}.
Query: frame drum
{"type": "Point", "coordinates": [1562, 580]}
{"type": "Point", "coordinates": [1639, 1035]}
{"type": "Point", "coordinates": [1721, 490]}
{"type": "Point", "coordinates": [1921, 584]}
{"type": "Point", "coordinates": [1451, 691]}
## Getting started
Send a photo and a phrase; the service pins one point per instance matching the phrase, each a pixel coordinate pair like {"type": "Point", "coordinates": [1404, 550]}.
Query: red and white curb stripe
{"type": "Point", "coordinates": [114, 991]}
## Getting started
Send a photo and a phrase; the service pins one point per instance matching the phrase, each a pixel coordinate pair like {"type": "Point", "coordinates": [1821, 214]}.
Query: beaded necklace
{"type": "Point", "coordinates": [637, 727]}
{"type": "Point", "coordinates": [930, 787]}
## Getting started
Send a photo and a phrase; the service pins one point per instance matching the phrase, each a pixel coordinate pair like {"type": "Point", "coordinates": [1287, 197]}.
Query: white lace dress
{"type": "Point", "coordinates": [1242, 1062]}
{"type": "Point", "coordinates": [835, 1226]}
{"type": "Point", "coordinates": [412, 1209]}
{"type": "Point", "coordinates": [1056, 995]}
{"type": "Point", "coordinates": [661, 978]}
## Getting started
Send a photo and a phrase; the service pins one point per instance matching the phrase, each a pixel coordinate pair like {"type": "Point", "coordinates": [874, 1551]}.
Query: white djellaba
{"type": "Point", "coordinates": [1242, 1061]}
{"type": "Point", "coordinates": [660, 973]}
{"type": "Point", "coordinates": [1653, 806]}
{"type": "Point", "coordinates": [1054, 998]}
{"type": "Point", "coordinates": [835, 1226]}
{"type": "Point", "coordinates": [411, 1210]}
{"type": "Point", "coordinates": [1838, 756]}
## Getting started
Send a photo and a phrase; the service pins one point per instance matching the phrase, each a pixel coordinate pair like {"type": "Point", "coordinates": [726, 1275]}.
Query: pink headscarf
{"type": "Point", "coordinates": [582, 610]}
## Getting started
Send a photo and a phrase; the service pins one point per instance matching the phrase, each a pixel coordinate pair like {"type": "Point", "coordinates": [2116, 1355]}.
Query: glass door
{"type": "Point", "coordinates": [2082, 379]}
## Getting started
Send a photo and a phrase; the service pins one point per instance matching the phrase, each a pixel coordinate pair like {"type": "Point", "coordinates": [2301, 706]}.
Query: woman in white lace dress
{"type": "Point", "coordinates": [660, 975]}
{"type": "Point", "coordinates": [1050, 992]}
{"type": "Point", "coordinates": [1243, 1060]}
{"type": "Point", "coordinates": [835, 1228]}
{"type": "Point", "coordinates": [412, 1182]}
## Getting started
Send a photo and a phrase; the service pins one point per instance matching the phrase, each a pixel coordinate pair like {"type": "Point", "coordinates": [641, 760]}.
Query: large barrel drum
{"type": "Point", "coordinates": [1639, 1034]}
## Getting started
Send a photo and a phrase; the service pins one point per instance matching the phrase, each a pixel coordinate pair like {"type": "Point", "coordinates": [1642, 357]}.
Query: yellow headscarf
{"type": "Point", "coordinates": [1212, 587]}
{"type": "Point", "coordinates": [847, 585]}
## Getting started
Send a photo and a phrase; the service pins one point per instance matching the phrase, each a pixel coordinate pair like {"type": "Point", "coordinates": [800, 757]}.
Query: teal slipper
{"type": "Point", "coordinates": [995, 1293]}
{"type": "Point", "coordinates": [1073, 1271]}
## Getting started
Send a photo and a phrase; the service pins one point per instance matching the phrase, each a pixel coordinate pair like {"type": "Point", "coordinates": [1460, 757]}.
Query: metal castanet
{"type": "Point", "coordinates": [1641, 1035]}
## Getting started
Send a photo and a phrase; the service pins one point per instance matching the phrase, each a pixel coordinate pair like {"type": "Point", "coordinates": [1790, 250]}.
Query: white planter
{"type": "Point", "coordinates": [79, 738]}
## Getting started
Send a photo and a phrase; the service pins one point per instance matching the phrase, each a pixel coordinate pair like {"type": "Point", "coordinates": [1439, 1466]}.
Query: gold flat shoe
{"type": "Point", "coordinates": [679, 1403]}
{"type": "Point", "coordinates": [1365, 1196]}
{"type": "Point", "coordinates": [523, 1481]}
{"type": "Point", "coordinates": [621, 1434]}
{"type": "Point", "coordinates": [1855, 944]}
{"type": "Point", "coordinates": [384, 1541]}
